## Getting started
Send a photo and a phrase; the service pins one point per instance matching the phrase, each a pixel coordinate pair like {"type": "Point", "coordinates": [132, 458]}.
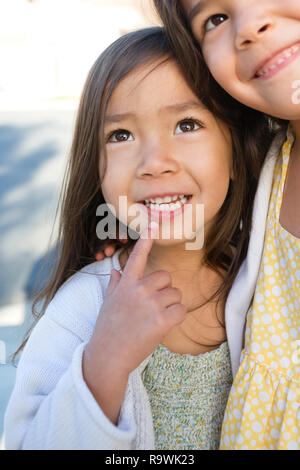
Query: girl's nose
{"type": "Point", "coordinates": [252, 28]}
{"type": "Point", "coordinates": [155, 162]}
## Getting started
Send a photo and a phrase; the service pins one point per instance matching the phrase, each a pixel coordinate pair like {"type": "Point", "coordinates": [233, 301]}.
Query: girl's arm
{"type": "Point", "coordinates": [51, 406]}
{"type": "Point", "coordinates": [107, 388]}
{"type": "Point", "coordinates": [63, 402]}
{"type": "Point", "coordinates": [136, 315]}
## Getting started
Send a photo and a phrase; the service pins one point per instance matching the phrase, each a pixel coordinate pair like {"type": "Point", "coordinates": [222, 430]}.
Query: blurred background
{"type": "Point", "coordinates": [46, 50]}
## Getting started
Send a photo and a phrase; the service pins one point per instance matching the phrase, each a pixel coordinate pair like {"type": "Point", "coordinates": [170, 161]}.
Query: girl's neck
{"type": "Point", "coordinates": [175, 259]}
{"type": "Point", "coordinates": [196, 281]}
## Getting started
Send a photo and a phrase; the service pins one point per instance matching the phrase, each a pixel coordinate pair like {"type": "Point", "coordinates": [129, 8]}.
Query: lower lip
{"type": "Point", "coordinates": [167, 215]}
{"type": "Point", "coordinates": [280, 66]}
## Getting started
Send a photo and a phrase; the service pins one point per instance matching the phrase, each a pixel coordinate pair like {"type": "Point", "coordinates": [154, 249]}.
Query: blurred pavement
{"type": "Point", "coordinates": [33, 151]}
{"type": "Point", "coordinates": [34, 146]}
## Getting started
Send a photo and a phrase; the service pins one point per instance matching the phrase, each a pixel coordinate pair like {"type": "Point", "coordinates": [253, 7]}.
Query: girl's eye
{"type": "Point", "coordinates": [215, 21]}
{"type": "Point", "coordinates": [188, 125]}
{"type": "Point", "coordinates": [120, 136]}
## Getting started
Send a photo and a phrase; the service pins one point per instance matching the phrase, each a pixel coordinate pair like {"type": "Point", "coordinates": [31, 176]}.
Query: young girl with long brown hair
{"type": "Point", "coordinates": [133, 352]}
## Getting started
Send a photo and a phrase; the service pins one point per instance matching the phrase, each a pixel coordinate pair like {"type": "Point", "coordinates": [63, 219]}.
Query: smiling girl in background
{"type": "Point", "coordinates": [252, 49]}
{"type": "Point", "coordinates": [132, 351]}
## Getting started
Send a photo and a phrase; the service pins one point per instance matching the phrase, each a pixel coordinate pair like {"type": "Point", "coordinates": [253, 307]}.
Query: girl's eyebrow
{"type": "Point", "coordinates": [115, 118]}
{"type": "Point", "coordinates": [183, 106]}
{"type": "Point", "coordinates": [198, 8]}
{"type": "Point", "coordinates": [177, 107]}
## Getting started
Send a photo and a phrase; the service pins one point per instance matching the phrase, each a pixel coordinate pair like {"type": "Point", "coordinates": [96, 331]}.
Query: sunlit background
{"type": "Point", "coordinates": [46, 50]}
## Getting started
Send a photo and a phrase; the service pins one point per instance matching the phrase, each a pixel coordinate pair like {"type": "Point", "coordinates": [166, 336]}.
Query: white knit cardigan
{"type": "Point", "coordinates": [51, 406]}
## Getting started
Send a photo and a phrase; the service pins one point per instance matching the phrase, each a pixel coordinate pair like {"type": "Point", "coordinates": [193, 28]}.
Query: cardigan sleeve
{"type": "Point", "coordinates": [51, 406]}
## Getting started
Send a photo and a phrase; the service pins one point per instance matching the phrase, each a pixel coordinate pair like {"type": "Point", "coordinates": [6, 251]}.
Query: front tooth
{"type": "Point", "coordinates": [174, 198]}
{"type": "Point", "coordinates": [280, 61]}
{"type": "Point", "coordinates": [167, 199]}
{"type": "Point", "coordinates": [169, 207]}
{"type": "Point", "coordinates": [153, 201]}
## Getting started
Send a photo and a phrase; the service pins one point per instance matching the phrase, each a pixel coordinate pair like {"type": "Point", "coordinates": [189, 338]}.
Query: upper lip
{"type": "Point", "coordinates": [162, 195]}
{"type": "Point", "coordinates": [262, 64]}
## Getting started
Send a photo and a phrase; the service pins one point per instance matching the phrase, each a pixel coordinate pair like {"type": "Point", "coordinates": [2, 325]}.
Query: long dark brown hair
{"type": "Point", "coordinates": [81, 193]}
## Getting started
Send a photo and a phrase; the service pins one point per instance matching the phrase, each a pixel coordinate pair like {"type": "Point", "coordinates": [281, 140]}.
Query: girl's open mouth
{"type": "Point", "coordinates": [168, 207]}
{"type": "Point", "coordinates": [278, 62]}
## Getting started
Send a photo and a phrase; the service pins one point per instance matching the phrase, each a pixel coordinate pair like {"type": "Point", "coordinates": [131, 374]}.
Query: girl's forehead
{"type": "Point", "coordinates": [160, 78]}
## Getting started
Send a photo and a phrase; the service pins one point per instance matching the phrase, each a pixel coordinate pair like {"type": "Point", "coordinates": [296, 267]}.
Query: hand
{"type": "Point", "coordinates": [109, 250]}
{"type": "Point", "coordinates": [137, 312]}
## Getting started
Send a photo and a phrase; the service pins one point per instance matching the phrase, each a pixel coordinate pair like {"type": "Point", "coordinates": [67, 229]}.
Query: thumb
{"type": "Point", "coordinates": [115, 277]}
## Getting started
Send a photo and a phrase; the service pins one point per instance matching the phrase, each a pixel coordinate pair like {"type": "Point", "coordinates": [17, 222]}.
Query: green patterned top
{"type": "Point", "coordinates": [188, 396]}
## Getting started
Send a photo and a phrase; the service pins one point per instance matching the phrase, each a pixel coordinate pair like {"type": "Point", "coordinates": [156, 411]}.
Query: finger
{"type": "Point", "coordinates": [159, 280]}
{"type": "Point", "coordinates": [136, 264]}
{"type": "Point", "coordinates": [115, 277]}
{"type": "Point", "coordinates": [99, 256]}
{"type": "Point", "coordinates": [176, 313]}
{"type": "Point", "coordinates": [169, 296]}
{"type": "Point", "coordinates": [109, 250]}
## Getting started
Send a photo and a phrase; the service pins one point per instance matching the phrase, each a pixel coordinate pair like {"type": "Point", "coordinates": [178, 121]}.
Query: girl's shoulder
{"type": "Point", "coordinates": [76, 304]}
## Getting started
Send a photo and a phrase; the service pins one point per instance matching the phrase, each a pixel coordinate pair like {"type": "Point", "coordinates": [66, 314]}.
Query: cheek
{"type": "Point", "coordinates": [228, 79]}
{"type": "Point", "coordinates": [221, 63]}
{"type": "Point", "coordinates": [117, 184]}
{"type": "Point", "coordinates": [214, 176]}
{"type": "Point", "coordinates": [217, 182]}
{"type": "Point", "coordinates": [112, 185]}
{"type": "Point", "coordinates": [214, 195]}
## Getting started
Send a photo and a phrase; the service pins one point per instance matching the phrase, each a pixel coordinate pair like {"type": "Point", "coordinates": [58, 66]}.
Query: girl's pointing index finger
{"type": "Point", "coordinates": [137, 261]}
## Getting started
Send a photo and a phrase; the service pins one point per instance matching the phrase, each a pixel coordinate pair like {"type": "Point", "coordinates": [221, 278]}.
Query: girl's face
{"type": "Point", "coordinates": [160, 142]}
{"type": "Point", "coordinates": [252, 48]}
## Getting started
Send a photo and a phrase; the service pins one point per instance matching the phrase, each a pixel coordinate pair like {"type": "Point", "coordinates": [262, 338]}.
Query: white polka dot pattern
{"type": "Point", "coordinates": [263, 409]}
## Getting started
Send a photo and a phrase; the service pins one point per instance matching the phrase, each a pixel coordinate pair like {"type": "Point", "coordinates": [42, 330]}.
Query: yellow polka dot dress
{"type": "Point", "coordinates": [263, 409]}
